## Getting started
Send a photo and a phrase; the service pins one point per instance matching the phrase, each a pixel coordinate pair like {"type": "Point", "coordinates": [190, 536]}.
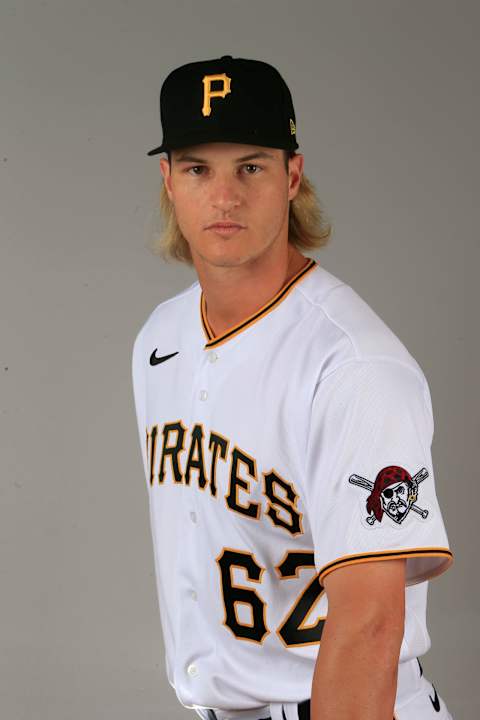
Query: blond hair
{"type": "Point", "coordinates": [308, 228]}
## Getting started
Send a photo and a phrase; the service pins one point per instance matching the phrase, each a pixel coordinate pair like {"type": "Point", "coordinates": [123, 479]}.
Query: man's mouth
{"type": "Point", "coordinates": [226, 224]}
{"type": "Point", "coordinates": [225, 228]}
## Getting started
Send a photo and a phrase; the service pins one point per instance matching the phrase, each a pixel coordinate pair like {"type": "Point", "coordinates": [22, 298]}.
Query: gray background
{"type": "Point", "coordinates": [386, 96]}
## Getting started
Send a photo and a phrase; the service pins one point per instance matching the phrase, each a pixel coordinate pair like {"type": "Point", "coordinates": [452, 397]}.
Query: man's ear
{"type": "Point", "coordinates": [167, 178]}
{"type": "Point", "coordinates": [295, 171]}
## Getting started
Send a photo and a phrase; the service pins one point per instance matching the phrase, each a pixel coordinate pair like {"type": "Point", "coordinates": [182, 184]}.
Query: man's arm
{"type": "Point", "coordinates": [355, 676]}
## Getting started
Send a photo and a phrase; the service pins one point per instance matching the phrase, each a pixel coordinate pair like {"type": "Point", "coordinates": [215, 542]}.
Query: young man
{"type": "Point", "coordinates": [285, 434]}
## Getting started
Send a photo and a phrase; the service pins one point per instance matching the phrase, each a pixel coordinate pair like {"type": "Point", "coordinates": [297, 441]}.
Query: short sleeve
{"type": "Point", "coordinates": [369, 486]}
{"type": "Point", "coordinates": [139, 396]}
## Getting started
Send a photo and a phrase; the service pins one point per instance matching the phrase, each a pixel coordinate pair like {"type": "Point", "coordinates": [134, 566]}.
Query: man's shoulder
{"type": "Point", "coordinates": [169, 311]}
{"type": "Point", "coordinates": [347, 327]}
{"type": "Point", "coordinates": [171, 307]}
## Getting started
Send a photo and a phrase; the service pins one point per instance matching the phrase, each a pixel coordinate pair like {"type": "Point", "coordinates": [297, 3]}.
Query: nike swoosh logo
{"type": "Point", "coordinates": [435, 700]}
{"type": "Point", "coordinates": [154, 360]}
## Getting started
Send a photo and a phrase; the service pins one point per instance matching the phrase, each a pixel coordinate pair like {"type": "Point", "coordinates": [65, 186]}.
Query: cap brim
{"type": "Point", "coordinates": [156, 150]}
{"type": "Point", "coordinates": [225, 135]}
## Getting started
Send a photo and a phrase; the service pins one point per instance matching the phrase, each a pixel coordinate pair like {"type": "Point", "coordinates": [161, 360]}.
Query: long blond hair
{"type": "Point", "coordinates": [308, 228]}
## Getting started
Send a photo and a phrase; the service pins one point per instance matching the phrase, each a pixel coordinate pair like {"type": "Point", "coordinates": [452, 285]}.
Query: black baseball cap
{"type": "Point", "coordinates": [226, 99]}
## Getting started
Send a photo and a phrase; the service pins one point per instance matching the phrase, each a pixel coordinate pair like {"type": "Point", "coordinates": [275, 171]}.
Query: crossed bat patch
{"type": "Point", "coordinates": [394, 493]}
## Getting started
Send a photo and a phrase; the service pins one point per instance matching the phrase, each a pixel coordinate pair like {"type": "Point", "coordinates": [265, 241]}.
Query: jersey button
{"type": "Point", "coordinates": [193, 516]}
{"type": "Point", "coordinates": [212, 356]}
{"type": "Point", "coordinates": [192, 670]}
{"type": "Point", "coordinates": [193, 594]}
{"type": "Point", "coordinates": [203, 394]}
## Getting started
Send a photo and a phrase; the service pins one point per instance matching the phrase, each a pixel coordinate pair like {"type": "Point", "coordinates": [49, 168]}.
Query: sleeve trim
{"type": "Point", "coordinates": [390, 554]}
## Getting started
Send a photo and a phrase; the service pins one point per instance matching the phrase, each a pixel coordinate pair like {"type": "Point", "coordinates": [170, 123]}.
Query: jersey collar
{"type": "Point", "coordinates": [213, 341]}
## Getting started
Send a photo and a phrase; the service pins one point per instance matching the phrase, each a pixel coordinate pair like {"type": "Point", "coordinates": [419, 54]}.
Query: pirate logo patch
{"type": "Point", "coordinates": [394, 492]}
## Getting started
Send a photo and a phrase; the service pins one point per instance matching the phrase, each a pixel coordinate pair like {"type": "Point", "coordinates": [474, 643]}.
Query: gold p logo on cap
{"type": "Point", "coordinates": [208, 93]}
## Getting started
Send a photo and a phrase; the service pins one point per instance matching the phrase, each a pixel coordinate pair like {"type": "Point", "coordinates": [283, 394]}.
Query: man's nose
{"type": "Point", "coordinates": [225, 194]}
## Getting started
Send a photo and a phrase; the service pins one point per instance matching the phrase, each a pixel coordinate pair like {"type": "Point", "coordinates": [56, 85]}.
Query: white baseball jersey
{"type": "Point", "coordinates": [294, 443]}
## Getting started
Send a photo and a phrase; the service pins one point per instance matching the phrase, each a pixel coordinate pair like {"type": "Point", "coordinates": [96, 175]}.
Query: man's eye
{"type": "Point", "coordinates": [193, 170]}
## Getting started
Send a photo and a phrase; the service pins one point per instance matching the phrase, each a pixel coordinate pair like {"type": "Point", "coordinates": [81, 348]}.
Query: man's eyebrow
{"type": "Point", "coordinates": [252, 156]}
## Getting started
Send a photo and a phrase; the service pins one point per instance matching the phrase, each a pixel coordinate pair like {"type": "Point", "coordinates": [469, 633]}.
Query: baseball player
{"type": "Point", "coordinates": [285, 434]}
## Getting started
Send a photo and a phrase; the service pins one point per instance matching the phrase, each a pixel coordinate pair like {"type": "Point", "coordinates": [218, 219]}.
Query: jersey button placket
{"type": "Point", "coordinates": [212, 357]}
{"type": "Point", "coordinates": [200, 414]}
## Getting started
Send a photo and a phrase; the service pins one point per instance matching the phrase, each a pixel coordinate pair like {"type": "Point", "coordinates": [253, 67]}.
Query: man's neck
{"type": "Point", "coordinates": [239, 295]}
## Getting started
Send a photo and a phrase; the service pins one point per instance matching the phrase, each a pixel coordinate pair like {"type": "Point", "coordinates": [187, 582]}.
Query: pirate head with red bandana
{"type": "Point", "coordinates": [394, 492]}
